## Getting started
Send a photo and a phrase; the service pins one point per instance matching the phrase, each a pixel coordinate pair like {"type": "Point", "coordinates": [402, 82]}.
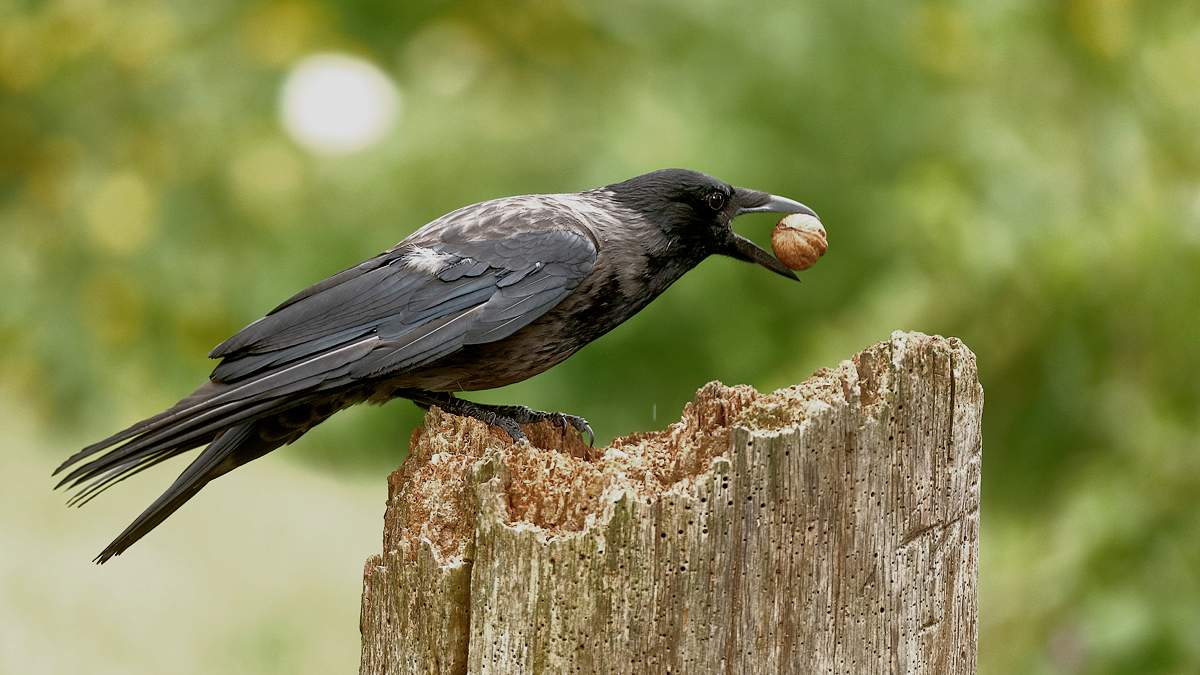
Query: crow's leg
{"type": "Point", "coordinates": [507, 417]}
{"type": "Point", "coordinates": [526, 415]}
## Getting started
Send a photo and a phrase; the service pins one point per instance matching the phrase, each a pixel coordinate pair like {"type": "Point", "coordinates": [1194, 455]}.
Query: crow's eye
{"type": "Point", "coordinates": [715, 200]}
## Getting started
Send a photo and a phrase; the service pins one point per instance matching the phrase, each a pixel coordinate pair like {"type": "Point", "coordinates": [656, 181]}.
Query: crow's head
{"type": "Point", "coordinates": [696, 211]}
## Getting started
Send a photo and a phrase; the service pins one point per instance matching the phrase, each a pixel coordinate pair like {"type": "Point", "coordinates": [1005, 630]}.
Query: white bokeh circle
{"type": "Point", "coordinates": [335, 104]}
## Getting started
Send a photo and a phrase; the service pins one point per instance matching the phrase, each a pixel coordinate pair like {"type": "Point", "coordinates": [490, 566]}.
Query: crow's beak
{"type": "Point", "coordinates": [744, 249]}
{"type": "Point", "coordinates": [776, 204]}
{"type": "Point", "coordinates": [753, 201]}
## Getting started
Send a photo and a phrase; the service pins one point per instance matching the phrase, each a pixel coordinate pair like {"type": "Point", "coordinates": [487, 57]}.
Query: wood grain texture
{"type": "Point", "coordinates": [828, 527]}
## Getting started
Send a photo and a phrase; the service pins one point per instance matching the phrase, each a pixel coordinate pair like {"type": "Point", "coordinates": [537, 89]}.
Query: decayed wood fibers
{"type": "Point", "coordinates": [829, 526]}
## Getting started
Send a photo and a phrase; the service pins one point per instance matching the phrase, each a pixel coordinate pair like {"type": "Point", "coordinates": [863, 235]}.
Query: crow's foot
{"type": "Point", "coordinates": [507, 417]}
{"type": "Point", "coordinates": [525, 415]}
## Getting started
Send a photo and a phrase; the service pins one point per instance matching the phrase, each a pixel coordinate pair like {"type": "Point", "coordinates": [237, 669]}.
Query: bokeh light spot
{"type": "Point", "coordinates": [111, 306]}
{"type": "Point", "coordinates": [53, 180]}
{"type": "Point", "coordinates": [122, 214]}
{"type": "Point", "coordinates": [266, 176]}
{"type": "Point", "coordinates": [446, 58]}
{"type": "Point", "coordinates": [943, 39]}
{"type": "Point", "coordinates": [336, 104]}
{"type": "Point", "coordinates": [142, 40]}
{"type": "Point", "coordinates": [21, 60]}
{"type": "Point", "coordinates": [1103, 26]}
{"type": "Point", "coordinates": [270, 168]}
{"type": "Point", "coordinates": [279, 31]}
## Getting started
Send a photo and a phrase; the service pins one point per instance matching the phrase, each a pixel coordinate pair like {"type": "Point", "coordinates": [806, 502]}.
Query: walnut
{"type": "Point", "coordinates": [798, 240]}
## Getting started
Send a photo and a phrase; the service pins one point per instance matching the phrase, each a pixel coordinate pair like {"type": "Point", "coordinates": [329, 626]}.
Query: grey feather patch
{"type": "Point", "coordinates": [427, 260]}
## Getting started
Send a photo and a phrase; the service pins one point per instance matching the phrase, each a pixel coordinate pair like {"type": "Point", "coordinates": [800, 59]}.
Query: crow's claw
{"type": "Point", "coordinates": [507, 417]}
{"type": "Point", "coordinates": [568, 422]}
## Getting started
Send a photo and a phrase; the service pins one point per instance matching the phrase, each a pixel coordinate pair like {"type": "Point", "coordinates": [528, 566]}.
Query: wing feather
{"type": "Point", "coordinates": [418, 304]}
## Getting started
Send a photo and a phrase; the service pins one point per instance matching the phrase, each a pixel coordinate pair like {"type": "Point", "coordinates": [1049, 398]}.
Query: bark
{"type": "Point", "coordinates": [828, 527]}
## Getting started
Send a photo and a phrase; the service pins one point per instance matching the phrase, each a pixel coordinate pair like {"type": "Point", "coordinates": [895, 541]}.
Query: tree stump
{"type": "Point", "coordinates": [830, 527]}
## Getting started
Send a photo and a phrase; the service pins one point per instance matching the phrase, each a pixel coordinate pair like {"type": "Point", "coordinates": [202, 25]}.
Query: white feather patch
{"type": "Point", "coordinates": [426, 260]}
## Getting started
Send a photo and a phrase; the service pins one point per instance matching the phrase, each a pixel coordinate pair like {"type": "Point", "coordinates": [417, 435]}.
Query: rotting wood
{"type": "Point", "coordinates": [828, 527]}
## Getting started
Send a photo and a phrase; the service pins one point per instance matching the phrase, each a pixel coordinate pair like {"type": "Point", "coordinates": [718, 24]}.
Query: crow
{"type": "Point", "coordinates": [485, 296]}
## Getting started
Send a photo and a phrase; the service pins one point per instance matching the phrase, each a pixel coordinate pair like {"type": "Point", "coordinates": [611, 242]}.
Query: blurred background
{"type": "Point", "coordinates": [1022, 174]}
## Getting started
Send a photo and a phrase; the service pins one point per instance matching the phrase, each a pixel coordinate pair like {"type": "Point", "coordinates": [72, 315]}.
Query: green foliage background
{"type": "Point", "coordinates": [1024, 175]}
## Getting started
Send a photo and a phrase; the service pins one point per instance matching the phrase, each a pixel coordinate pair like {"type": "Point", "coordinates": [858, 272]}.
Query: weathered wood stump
{"type": "Point", "coordinates": [830, 527]}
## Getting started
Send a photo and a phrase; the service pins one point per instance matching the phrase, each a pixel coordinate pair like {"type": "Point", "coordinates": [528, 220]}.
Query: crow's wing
{"type": "Point", "coordinates": [401, 309]}
{"type": "Point", "coordinates": [415, 304]}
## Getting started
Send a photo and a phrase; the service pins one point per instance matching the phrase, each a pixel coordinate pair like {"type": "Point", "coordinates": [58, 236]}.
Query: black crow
{"type": "Point", "coordinates": [485, 296]}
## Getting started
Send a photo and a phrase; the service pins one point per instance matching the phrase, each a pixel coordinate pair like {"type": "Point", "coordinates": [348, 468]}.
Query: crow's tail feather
{"type": "Point", "coordinates": [203, 416]}
{"type": "Point", "coordinates": [239, 421]}
{"type": "Point", "coordinates": [171, 415]}
{"type": "Point", "coordinates": [169, 438]}
{"type": "Point", "coordinates": [234, 447]}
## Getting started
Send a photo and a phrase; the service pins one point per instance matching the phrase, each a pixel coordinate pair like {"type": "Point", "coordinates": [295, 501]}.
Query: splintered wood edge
{"type": "Point", "coordinates": [559, 486]}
